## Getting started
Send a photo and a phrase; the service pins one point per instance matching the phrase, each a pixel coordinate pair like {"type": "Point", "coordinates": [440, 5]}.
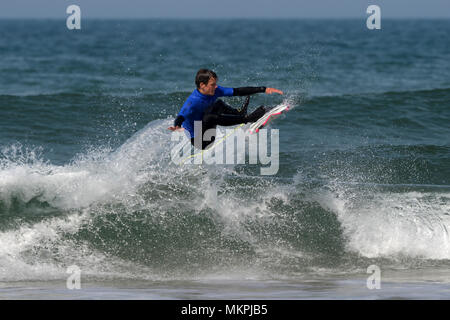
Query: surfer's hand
{"type": "Point", "coordinates": [273, 90]}
{"type": "Point", "coordinates": [175, 128]}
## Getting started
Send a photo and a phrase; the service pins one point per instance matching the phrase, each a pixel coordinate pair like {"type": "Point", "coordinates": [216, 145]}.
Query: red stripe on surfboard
{"type": "Point", "coordinates": [273, 114]}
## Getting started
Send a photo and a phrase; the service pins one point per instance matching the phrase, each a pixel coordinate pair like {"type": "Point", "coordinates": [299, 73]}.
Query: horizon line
{"type": "Point", "coordinates": [226, 18]}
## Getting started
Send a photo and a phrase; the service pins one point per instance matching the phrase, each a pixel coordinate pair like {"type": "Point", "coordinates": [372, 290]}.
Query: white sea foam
{"type": "Point", "coordinates": [42, 250]}
{"type": "Point", "coordinates": [376, 224]}
{"type": "Point", "coordinates": [389, 224]}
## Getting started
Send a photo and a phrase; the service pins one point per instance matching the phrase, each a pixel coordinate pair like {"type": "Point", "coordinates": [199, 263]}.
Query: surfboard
{"type": "Point", "coordinates": [268, 117]}
{"type": "Point", "coordinates": [262, 122]}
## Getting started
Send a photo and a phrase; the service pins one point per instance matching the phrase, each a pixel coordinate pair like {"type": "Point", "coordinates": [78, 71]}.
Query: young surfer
{"type": "Point", "coordinates": [202, 105]}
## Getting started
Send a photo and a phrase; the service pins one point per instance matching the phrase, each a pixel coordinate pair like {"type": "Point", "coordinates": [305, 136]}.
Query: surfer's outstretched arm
{"type": "Point", "coordinates": [273, 90]}
{"type": "Point", "coordinates": [245, 91]}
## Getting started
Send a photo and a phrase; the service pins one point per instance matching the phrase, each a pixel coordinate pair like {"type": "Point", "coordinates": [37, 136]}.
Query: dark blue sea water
{"type": "Point", "coordinates": [86, 176]}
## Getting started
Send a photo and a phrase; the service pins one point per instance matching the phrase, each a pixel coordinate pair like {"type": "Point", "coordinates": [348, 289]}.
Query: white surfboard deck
{"type": "Point", "coordinates": [267, 118]}
{"type": "Point", "coordinates": [254, 127]}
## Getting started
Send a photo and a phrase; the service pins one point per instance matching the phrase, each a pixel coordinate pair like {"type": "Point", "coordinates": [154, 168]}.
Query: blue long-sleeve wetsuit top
{"type": "Point", "coordinates": [196, 104]}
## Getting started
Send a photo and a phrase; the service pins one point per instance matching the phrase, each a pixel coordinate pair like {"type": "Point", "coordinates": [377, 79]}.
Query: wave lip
{"type": "Point", "coordinates": [394, 225]}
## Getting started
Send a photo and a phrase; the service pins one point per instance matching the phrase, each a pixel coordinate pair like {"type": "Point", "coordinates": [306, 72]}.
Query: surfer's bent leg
{"type": "Point", "coordinates": [211, 120]}
{"type": "Point", "coordinates": [202, 144]}
{"type": "Point", "coordinates": [223, 115]}
{"type": "Point", "coordinates": [220, 107]}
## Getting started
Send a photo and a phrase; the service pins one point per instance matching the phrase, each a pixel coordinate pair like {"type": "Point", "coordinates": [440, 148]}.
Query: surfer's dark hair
{"type": "Point", "coordinates": [203, 76]}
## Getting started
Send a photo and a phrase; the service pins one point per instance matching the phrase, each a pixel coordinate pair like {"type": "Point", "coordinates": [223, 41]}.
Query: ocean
{"type": "Point", "coordinates": [358, 209]}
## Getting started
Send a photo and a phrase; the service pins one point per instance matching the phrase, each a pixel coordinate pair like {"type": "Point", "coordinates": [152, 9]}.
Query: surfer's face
{"type": "Point", "coordinates": [210, 88]}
